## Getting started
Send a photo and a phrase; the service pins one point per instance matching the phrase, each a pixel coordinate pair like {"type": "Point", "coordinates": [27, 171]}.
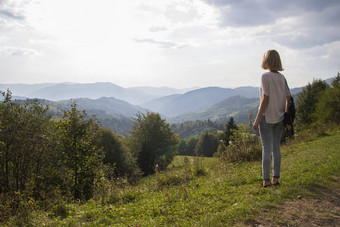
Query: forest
{"type": "Point", "coordinates": [46, 158]}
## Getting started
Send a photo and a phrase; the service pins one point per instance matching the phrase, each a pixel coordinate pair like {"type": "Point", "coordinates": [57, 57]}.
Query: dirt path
{"type": "Point", "coordinates": [321, 210]}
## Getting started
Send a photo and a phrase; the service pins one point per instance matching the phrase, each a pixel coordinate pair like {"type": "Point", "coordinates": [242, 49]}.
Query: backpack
{"type": "Point", "coordinates": [289, 115]}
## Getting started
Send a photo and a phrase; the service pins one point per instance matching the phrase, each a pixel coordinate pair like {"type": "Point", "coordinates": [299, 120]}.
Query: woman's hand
{"type": "Point", "coordinates": [262, 108]}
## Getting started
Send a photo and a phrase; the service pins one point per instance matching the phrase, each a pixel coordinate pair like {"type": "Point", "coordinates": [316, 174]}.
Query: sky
{"type": "Point", "coordinates": [173, 43]}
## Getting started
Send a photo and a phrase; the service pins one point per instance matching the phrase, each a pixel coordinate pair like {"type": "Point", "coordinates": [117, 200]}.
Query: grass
{"type": "Point", "coordinates": [205, 192]}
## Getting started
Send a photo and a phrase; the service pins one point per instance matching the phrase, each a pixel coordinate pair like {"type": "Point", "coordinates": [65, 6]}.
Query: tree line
{"type": "Point", "coordinates": [188, 129]}
{"type": "Point", "coordinates": [43, 157]}
{"type": "Point", "coordinates": [319, 103]}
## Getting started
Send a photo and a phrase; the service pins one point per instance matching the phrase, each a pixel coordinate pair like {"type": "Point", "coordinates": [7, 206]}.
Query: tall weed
{"type": "Point", "coordinates": [167, 178]}
{"type": "Point", "coordinates": [243, 146]}
{"type": "Point", "coordinates": [17, 208]}
{"type": "Point", "coordinates": [198, 167]}
{"type": "Point", "coordinates": [191, 167]}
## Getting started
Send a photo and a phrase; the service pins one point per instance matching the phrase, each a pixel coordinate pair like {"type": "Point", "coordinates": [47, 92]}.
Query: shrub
{"type": "Point", "coordinates": [164, 161]}
{"type": "Point", "coordinates": [61, 210]}
{"type": "Point", "coordinates": [5, 208]}
{"type": "Point", "coordinates": [17, 209]}
{"type": "Point", "coordinates": [164, 179]}
{"type": "Point", "coordinates": [243, 146]}
{"type": "Point", "coordinates": [129, 195]}
{"type": "Point", "coordinates": [198, 168]}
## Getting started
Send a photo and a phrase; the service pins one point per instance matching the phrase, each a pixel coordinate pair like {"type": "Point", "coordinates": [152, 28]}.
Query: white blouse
{"type": "Point", "coordinates": [274, 85]}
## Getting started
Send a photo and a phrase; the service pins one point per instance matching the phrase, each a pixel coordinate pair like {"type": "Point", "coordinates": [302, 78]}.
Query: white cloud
{"type": "Point", "coordinates": [179, 43]}
{"type": "Point", "coordinates": [157, 29]}
{"type": "Point", "coordinates": [162, 44]}
{"type": "Point", "coordinates": [13, 51]}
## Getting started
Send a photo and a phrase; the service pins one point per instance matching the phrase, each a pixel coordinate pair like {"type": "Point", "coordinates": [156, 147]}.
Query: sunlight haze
{"type": "Point", "coordinates": [180, 44]}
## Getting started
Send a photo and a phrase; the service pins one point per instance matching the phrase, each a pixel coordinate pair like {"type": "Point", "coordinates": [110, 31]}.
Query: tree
{"type": "Point", "coordinates": [306, 102]}
{"type": "Point", "coordinates": [229, 132]}
{"type": "Point", "coordinates": [113, 150]}
{"type": "Point", "coordinates": [24, 142]}
{"type": "Point", "coordinates": [29, 162]}
{"type": "Point", "coordinates": [116, 156]}
{"type": "Point", "coordinates": [207, 144]}
{"type": "Point", "coordinates": [328, 106]}
{"type": "Point", "coordinates": [181, 147]}
{"type": "Point", "coordinates": [151, 138]}
{"type": "Point", "coordinates": [191, 146]}
{"type": "Point", "coordinates": [79, 139]}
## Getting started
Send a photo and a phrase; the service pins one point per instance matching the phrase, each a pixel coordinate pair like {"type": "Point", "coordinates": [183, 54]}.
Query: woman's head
{"type": "Point", "coordinates": [272, 61]}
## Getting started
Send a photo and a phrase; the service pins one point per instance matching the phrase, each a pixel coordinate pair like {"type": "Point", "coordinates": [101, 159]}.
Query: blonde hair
{"type": "Point", "coordinates": [272, 61]}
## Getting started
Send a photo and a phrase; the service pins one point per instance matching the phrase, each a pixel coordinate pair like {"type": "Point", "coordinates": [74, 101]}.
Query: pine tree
{"type": "Point", "coordinates": [230, 127]}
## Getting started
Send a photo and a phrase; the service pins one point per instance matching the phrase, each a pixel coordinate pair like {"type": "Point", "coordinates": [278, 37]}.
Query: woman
{"type": "Point", "coordinates": [274, 96]}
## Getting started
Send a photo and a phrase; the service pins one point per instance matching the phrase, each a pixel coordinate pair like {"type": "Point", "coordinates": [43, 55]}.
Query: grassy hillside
{"type": "Point", "coordinates": [204, 192]}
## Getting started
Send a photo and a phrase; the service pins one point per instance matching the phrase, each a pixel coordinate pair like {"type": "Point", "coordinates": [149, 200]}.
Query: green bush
{"type": "Point", "coordinates": [198, 167]}
{"type": "Point", "coordinates": [243, 146]}
{"type": "Point", "coordinates": [17, 208]}
{"type": "Point", "coordinates": [129, 195]}
{"type": "Point", "coordinates": [164, 179]}
{"type": "Point", "coordinates": [5, 208]}
{"type": "Point", "coordinates": [192, 167]}
{"type": "Point", "coordinates": [61, 210]}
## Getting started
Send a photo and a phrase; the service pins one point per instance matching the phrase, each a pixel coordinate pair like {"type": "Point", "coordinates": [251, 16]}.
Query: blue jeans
{"type": "Point", "coordinates": [270, 137]}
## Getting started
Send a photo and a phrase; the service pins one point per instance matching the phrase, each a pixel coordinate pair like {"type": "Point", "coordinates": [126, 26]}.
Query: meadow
{"type": "Point", "coordinates": [196, 191]}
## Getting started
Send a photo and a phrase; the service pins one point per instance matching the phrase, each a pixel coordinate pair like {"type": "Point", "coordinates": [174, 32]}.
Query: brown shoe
{"type": "Point", "coordinates": [276, 183]}
{"type": "Point", "coordinates": [265, 185]}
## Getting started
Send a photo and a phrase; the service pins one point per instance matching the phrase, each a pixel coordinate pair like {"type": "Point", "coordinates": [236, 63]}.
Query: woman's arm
{"type": "Point", "coordinates": [262, 109]}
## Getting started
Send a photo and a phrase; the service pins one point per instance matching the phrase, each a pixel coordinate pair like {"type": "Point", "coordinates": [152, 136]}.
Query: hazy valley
{"type": "Point", "coordinates": [115, 106]}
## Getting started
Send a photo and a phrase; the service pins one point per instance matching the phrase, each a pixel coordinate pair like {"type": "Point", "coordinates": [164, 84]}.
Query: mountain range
{"type": "Point", "coordinates": [197, 100]}
{"type": "Point", "coordinates": [65, 91]}
{"type": "Point", "coordinates": [116, 100]}
{"type": "Point", "coordinates": [114, 104]}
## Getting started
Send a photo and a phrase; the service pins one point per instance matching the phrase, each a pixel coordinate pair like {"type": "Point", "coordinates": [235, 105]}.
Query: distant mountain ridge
{"type": "Point", "coordinates": [169, 102]}
{"type": "Point", "coordinates": [238, 107]}
{"type": "Point", "coordinates": [197, 100]}
{"type": "Point", "coordinates": [108, 105]}
{"type": "Point", "coordinates": [110, 112]}
{"type": "Point", "coordinates": [65, 91]}
{"type": "Point", "coordinates": [113, 99]}
{"type": "Point", "coordinates": [157, 104]}
{"type": "Point", "coordinates": [115, 106]}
